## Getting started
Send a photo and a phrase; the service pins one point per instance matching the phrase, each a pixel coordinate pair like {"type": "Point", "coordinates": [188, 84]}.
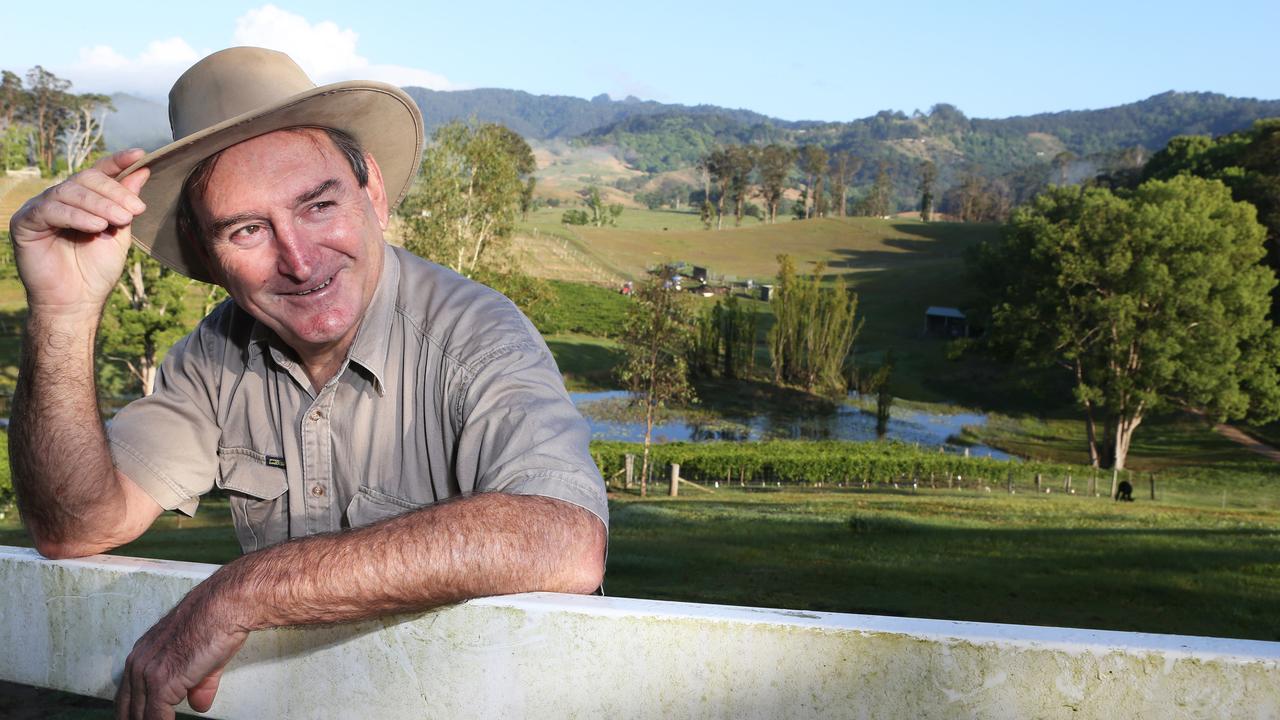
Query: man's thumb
{"type": "Point", "coordinates": [200, 697]}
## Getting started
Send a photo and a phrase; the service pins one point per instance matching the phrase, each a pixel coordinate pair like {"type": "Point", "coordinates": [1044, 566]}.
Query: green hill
{"type": "Point", "coordinates": [898, 267]}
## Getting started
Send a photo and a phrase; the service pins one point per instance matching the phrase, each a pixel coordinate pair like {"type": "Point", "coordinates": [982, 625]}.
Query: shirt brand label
{"type": "Point", "coordinates": [276, 462]}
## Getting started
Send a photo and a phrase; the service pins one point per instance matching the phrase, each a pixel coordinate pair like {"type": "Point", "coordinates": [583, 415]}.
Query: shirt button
{"type": "Point", "coordinates": [317, 415]}
{"type": "Point", "coordinates": [317, 491]}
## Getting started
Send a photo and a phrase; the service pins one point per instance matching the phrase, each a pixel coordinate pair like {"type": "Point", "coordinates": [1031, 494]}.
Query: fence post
{"type": "Point", "coordinates": [675, 479]}
{"type": "Point", "coordinates": [1066, 487]}
{"type": "Point", "coordinates": [631, 468]}
{"type": "Point", "coordinates": [1038, 483]}
{"type": "Point", "coordinates": [1009, 482]}
{"type": "Point", "coordinates": [1152, 478]}
{"type": "Point", "coordinates": [1093, 483]}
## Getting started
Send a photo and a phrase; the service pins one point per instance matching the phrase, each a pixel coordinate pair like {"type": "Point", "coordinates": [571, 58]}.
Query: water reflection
{"type": "Point", "coordinates": [844, 423]}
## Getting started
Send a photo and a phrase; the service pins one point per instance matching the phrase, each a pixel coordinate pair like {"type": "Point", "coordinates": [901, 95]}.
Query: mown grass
{"type": "Point", "coordinates": [1046, 560]}
{"type": "Point", "coordinates": [1040, 560]}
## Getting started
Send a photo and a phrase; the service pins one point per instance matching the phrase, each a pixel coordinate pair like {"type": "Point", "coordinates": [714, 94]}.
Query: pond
{"type": "Point", "coordinates": [845, 423]}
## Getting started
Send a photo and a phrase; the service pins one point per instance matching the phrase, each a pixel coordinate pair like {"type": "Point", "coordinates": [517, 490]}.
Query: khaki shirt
{"type": "Point", "coordinates": [447, 390]}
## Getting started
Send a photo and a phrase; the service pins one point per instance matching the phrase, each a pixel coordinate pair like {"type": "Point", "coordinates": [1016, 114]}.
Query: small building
{"type": "Point", "coordinates": [700, 274]}
{"type": "Point", "coordinates": [945, 322]}
{"type": "Point", "coordinates": [766, 292]}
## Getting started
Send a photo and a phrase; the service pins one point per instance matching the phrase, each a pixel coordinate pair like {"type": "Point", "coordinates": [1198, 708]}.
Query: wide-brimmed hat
{"type": "Point", "coordinates": [243, 92]}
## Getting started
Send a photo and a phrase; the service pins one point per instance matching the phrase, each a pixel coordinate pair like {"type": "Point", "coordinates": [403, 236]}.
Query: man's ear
{"type": "Point", "coordinates": [377, 191]}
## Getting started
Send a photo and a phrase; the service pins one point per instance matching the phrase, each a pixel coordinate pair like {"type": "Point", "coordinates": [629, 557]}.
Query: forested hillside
{"type": "Point", "coordinates": [1016, 156]}
{"type": "Point", "coordinates": [542, 117]}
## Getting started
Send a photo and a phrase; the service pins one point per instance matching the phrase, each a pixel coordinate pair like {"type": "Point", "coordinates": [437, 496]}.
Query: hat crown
{"type": "Point", "coordinates": [230, 83]}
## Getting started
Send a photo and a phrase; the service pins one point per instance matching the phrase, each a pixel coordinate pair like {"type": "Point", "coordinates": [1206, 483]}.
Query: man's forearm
{"type": "Point", "coordinates": [486, 544]}
{"type": "Point", "coordinates": [62, 470]}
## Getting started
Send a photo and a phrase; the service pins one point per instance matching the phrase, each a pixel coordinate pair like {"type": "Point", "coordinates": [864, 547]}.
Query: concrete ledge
{"type": "Point", "coordinates": [69, 625]}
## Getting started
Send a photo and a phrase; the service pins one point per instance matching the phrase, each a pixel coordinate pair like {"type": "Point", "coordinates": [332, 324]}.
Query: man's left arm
{"type": "Point", "coordinates": [534, 521]}
{"type": "Point", "coordinates": [484, 544]}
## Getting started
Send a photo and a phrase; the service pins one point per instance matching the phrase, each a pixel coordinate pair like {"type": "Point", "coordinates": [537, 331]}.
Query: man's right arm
{"type": "Point", "coordinates": [70, 245]}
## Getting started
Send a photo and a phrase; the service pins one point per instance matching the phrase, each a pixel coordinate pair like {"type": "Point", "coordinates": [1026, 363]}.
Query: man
{"type": "Point", "coordinates": [348, 389]}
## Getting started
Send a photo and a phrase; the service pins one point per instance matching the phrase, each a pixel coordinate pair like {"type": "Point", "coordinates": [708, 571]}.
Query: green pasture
{"type": "Point", "coordinates": [846, 244]}
{"type": "Point", "coordinates": [1040, 560]}
{"type": "Point", "coordinates": [586, 362]}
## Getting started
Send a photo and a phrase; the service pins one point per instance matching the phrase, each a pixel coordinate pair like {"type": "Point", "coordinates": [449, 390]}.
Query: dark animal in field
{"type": "Point", "coordinates": [1124, 491]}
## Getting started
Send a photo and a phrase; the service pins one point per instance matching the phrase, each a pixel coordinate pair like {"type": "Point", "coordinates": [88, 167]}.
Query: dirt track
{"type": "Point", "coordinates": [1239, 436]}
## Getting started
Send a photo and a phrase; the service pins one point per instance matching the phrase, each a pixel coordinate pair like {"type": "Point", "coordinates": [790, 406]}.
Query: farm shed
{"type": "Point", "coordinates": [945, 322]}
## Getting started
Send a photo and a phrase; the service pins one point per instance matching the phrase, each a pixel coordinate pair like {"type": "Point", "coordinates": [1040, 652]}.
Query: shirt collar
{"type": "Point", "coordinates": [373, 339]}
{"type": "Point", "coordinates": [371, 344]}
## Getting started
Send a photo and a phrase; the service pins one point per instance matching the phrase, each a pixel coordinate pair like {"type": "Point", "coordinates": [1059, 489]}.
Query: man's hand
{"type": "Point", "coordinates": [70, 241]}
{"type": "Point", "coordinates": [182, 656]}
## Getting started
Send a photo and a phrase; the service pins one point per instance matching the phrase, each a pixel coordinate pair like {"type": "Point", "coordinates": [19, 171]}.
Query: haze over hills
{"type": "Point", "coordinates": [654, 137]}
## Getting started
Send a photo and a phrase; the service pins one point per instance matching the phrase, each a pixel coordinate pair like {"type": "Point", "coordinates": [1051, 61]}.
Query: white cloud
{"type": "Point", "coordinates": [324, 50]}
{"type": "Point", "coordinates": [103, 69]}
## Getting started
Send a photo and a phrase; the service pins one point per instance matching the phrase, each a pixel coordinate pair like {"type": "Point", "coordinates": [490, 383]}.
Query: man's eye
{"type": "Point", "coordinates": [322, 205]}
{"type": "Point", "coordinates": [247, 231]}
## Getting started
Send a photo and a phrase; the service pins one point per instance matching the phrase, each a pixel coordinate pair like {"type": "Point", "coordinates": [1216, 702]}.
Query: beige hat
{"type": "Point", "coordinates": [243, 92]}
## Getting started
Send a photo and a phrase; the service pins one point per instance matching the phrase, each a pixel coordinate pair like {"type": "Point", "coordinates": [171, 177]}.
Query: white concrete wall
{"type": "Point", "coordinates": [69, 625]}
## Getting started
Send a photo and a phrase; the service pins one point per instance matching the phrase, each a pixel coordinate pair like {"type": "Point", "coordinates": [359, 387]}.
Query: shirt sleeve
{"type": "Point", "coordinates": [521, 433]}
{"type": "Point", "coordinates": [167, 442]}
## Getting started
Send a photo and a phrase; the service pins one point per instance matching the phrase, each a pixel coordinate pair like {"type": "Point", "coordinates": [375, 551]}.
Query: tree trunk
{"type": "Point", "coordinates": [1092, 432]}
{"type": "Point", "coordinates": [1123, 437]}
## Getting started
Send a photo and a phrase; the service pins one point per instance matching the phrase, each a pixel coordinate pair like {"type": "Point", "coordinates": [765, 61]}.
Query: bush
{"type": "Point", "coordinates": [575, 217]}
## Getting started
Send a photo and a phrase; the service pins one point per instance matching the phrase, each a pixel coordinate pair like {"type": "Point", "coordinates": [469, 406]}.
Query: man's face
{"type": "Point", "coordinates": [294, 239]}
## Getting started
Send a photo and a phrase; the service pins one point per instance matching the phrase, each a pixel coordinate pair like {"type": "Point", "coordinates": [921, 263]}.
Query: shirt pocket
{"type": "Point", "coordinates": [256, 489]}
{"type": "Point", "coordinates": [369, 506]}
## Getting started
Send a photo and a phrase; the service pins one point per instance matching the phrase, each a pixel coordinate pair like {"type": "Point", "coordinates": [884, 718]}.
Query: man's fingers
{"type": "Point", "coordinates": [112, 165]}
{"type": "Point", "coordinates": [92, 201]}
{"type": "Point", "coordinates": [62, 216]}
{"type": "Point", "coordinates": [123, 695]}
{"type": "Point", "coordinates": [119, 193]}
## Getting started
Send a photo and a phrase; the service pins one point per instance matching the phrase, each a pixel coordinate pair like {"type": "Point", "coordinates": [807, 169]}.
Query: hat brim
{"type": "Point", "coordinates": [382, 118]}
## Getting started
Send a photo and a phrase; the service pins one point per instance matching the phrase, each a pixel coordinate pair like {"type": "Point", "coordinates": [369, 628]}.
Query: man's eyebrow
{"type": "Point", "coordinates": [219, 225]}
{"type": "Point", "coordinates": [316, 192]}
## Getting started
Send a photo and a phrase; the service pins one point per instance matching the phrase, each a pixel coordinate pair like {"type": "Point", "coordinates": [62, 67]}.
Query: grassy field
{"type": "Point", "coordinates": [586, 362]}
{"type": "Point", "coordinates": [1040, 560]}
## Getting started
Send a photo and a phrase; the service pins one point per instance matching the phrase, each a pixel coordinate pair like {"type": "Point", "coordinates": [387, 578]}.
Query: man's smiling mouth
{"type": "Point", "coordinates": [317, 288]}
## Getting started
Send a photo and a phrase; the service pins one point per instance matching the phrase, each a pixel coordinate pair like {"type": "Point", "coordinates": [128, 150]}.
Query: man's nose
{"type": "Point", "coordinates": [296, 254]}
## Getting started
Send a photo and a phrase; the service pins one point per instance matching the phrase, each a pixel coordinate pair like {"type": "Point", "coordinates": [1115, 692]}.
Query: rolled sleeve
{"type": "Point", "coordinates": [521, 433]}
{"type": "Point", "coordinates": [167, 442]}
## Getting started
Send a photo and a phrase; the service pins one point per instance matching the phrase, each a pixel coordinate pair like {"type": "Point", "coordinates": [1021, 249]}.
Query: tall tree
{"type": "Point", "coordinates": [1248, 162]}
{"type": "Point", "coordinates": [775, 166]}
{"type": "Point", "coordinates": [844, 166]}
{"type": "Point", "coordinates": [526, 196]}
{"type": "Point", "coordinates": [719, 164]}
{"type": "Point", "coordinates": [1149, 300]}
{"type": "Point", "coordinates": [13, 98]}
{"type": "Point", "coordinates": [655, 347]}
{"type": "Point", "coordinates": [928, 176]}
{"type": "Point", "coordinates": [83, 133]}
{"type": "Point", "coordinates": [742, 162]}
{"type": "Point", "coordinates": [143, 317]}
{"type": "Point", "coordinates": [813, 163]}
{"type": "Point", "coordinates": [48, 111]}
{"type": "Point", "coordinates": [463, 207]}
{"type": "Point", "coordinates": [879, 200]}
{"type": "Point", "coordinates": [813, 331]}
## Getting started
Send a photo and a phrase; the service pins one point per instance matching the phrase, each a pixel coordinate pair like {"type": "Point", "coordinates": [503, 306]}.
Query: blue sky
{"type": "Point", "coordinates": [820, 60]}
